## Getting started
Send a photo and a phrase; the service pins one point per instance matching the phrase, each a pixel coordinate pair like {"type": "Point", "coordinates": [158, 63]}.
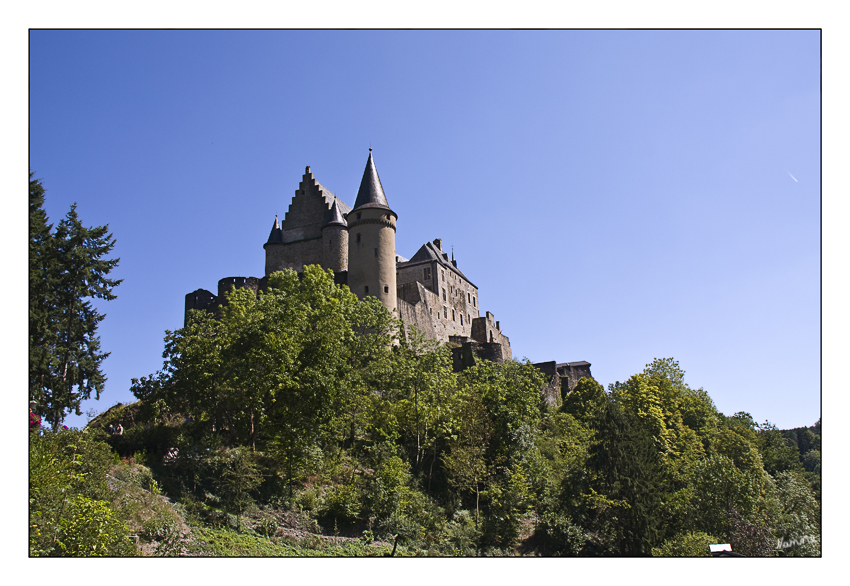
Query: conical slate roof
{"type": "Point", "coordinates": [276, 233]}
{"type": "Point", "coordinates": [334, 216]}
{"type": "Point", "coordinates": [371, 194]}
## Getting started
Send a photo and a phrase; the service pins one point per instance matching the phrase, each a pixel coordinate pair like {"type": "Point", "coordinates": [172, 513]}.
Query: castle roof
{"type": "Point", "coordinates": [276, 234]}
{"type": "Point", "coordinates": [334, 215]}
{"type": "Point", "coordinates": [430, 252]}
{"type": "Point", "coordinates": [371, 193]}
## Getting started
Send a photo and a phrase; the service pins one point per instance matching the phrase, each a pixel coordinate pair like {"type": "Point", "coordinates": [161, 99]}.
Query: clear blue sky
{"type": "Point", "coordinates": [615, 195]}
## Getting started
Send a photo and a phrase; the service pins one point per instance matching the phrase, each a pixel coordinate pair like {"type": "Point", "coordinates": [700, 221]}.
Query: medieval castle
{"type": "Point", "coordinates": [427, 291]}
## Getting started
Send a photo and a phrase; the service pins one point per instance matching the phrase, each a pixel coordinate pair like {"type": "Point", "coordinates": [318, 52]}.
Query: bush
{"type": "Point", "coordinates": [342, 504]}
{"type": "Point", "coordinates": [164, 531]}
{"type": "Point", "coordinates": [266, 525]}
{"type": "Point", "coordinates": [90, 528]}
{"type": "Point", "coordinates": [693, 544]}
{"type": "Point", "coordinates": [559, 536]}
{"type": "Point", "coordinates": [459, 535]}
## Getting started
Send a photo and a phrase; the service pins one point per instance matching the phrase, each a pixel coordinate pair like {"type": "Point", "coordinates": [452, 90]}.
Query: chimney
{"type": "Point", "coordinates": [438, 243]}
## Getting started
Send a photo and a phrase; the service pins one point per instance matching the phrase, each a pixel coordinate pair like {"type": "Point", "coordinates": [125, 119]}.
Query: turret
{"type": "Point", "coordinates": [371, 241]}
{"type": "Point", "coordinates": [274, 247]}
{"type": "Point", "coordinates": [335, 240]}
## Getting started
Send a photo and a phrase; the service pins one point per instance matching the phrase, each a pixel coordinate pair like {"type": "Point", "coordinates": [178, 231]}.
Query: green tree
{"type": "Point", "coordinates": [799, 524]}
{"type": "Point", "coordinates": [465, 462]}
{"type": "Point", "coordinates": [424, 385]}
{"type": "Point", "coordinates": [239, 475]}
{"type": "Point", "coordinates": [68, 493]}
{"type": "Point", "coordinates": [778, 455]}
{"type": "Point", "coordinates": [68, 268]}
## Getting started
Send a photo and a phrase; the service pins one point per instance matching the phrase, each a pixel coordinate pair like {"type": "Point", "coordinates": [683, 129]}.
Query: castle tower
{"type": "Point", "coordinates": [371, 241]}
{"type": "Point", "coordinates": [273, 246]}
{"type": "Point", "coordinates": [335, 240]}
{"type": "Point", "coordinates": [297, 240]}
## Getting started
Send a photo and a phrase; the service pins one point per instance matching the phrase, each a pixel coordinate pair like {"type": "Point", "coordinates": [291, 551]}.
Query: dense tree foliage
{"type": "Point", "coordinates": [305, 401]}
{"type": "Point", "coordinates": [67, 268]}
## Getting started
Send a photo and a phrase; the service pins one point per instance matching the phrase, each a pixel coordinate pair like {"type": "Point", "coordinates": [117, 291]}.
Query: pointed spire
{"type": "Point", "coordinates": [334, 216]}
{"type": "Point", "coordinates": [371, 194]}
{"type": "Point", "coordinates": [276, 234]}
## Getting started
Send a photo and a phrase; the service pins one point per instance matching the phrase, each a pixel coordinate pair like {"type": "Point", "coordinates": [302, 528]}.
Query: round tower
{"type": "Point", "coordinates": [371, 241]}
{"type": "Point", "coordinates": [335, 240]}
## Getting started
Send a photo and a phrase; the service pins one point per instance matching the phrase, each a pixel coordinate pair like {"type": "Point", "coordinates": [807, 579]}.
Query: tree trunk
{"type": "Point", "coordinates": [68, 344]}
{"type": "Point", "coordinates": [476, 501]}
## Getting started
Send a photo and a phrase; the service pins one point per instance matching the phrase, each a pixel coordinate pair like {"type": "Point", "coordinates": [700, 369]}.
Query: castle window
{"type": "Point", "coordinates": [445, 312]}
{"type": "Point", "coordinates": [468, 297]}
{"type": "Point", "coordinates": [444, 275]}
{"type": "Point", "coordinates": [386, 289]}
{"type": "Point", "coordinates": [461, 319]}
{"type": "Point", "coordinates": [427, 273]}
{"type": "Point", "coordinates": [453, 314]}
{"type": "Point", "coordinates": [473, 302]}
{"type": "Point", "coordinates": [468, 318]}
{"type": "Point", "coordinates": [366, 289]}
{"type": "Point", "coordinates": [358, 237]}
{"type": "Point", "coordinates": [444, 293]}
{"type": "Point", "coordinates": [358, 215]}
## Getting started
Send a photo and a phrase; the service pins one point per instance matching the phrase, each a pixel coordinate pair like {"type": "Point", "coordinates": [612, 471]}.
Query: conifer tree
{"type": "Point", "coordinates": [68, 267]}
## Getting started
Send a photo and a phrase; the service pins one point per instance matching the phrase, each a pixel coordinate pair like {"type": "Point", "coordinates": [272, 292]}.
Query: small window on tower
{"type": "Point", "coordinates": [366, 289]}
{"type": "Point", "coordinates": [461, 319]}
{"type": "Point", "coordinates": [445, 312]}
{"type": "Point", "coordinates": [358, 237]}
{"type": "Point", "coordinates": [468, 297]}
{"type": "Point", "coordinates": [358, 215]}
{"type": "Point", "coordinates": [473, 302]}
{"type": "Point", "coordinates": [386, 289]}
{"type": "Point", "coordinates": [376, 253]}
{"type": "Point", "coordinates": [453, 315]}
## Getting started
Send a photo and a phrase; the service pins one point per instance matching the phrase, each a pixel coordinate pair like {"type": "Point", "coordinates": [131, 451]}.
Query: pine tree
{"type": "Point", "coordinates": [42, 270]}
{"type": "Point", "coordinates": [67, 268]}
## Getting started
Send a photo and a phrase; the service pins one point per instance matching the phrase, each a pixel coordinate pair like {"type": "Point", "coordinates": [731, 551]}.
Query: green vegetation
{"type": "Point", "coordinates": [305, 421]}
{"type": "Point", "coordinates": [67, 266]}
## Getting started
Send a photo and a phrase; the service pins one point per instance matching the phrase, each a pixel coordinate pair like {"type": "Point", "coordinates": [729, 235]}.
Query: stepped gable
{"type": "Point", "coordinates": [308, 210]}
{"type": "Point", "coordinates": [371, 193]}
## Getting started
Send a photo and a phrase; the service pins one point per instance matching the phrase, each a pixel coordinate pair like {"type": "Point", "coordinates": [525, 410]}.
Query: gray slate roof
{"type": "Point", "coordinates": [430, 252]}
{"type": "Point", "coordinates": [276, 234]}
{"type": "Point", "coordinates": [371, 193]}
{"type": "Point", "coordinates": [334, 215]}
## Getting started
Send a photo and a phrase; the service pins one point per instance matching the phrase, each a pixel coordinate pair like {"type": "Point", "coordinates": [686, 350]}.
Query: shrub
{"type": "Point", "coordinates": [693, 544]}
{"type": "Point", "coordinates": [90, 528]}
{"type": "Point", "coordinates": [342, 504]}
{"type": "Point", "coordinates": [559, 536]}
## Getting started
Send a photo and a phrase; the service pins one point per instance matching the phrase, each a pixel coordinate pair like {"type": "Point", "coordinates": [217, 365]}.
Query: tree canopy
{"type": "Point", "coordinates": [68, 267]}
